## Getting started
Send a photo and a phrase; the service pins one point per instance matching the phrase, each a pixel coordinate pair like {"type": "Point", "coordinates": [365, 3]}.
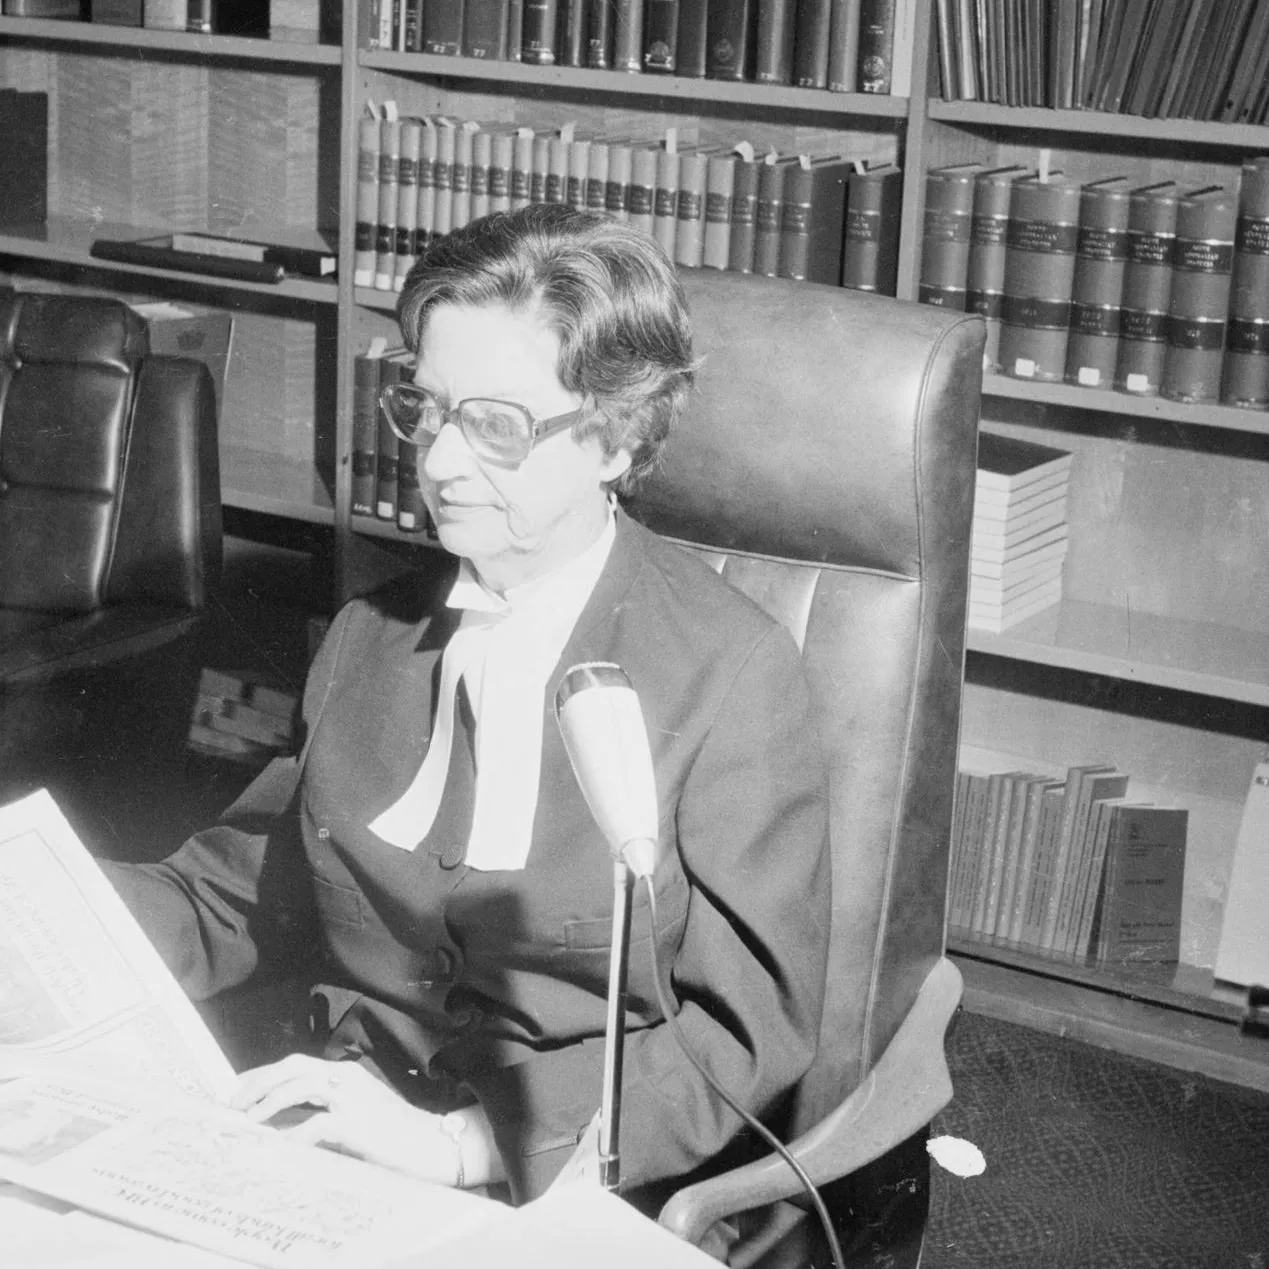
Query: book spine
{"type": "Point", "coordinates": [1199, 302]}
{"type": "Point", "coordinates": [773, 39]}
{"type": "Point", "coordinates": [523, 149]}
{"type": "Point", "coordinates": [573, 32]}
{"type": "Point", "coordinates": [812, 44]}
{"type": "Point", "coordinates": [768, 219]}
{"type": "Point", "coordinates": [411, 509]}
{"type": "Point", "coordinates": [485, 29]}
{"type": "Point", "coordinates": [949, 209]}
{"type": "Point", "coordinates": [617, 186]}
{"type": "Point", "coordinates": [870, 242]}
{"type": "Point", "coordinates": [1101, 255]}
{"type": "Point", "coordinates": [425, 226]}
{"type": "Point", "coordinates": [661, 37]}
{"type": "Point", "coordinates": [537, 33]}
{"type": "Point", "coordinates": [985, 267]}
{"type": "Point", "coordinates": [501, 159]}
{"type": "Point", "coordinates": [795, 222]}
{"type": "Point", "coordinates": [665, 204]}
{"type": "Point", "coordinates": [578, 173]}
{"type": "Point", "coordinates": [443, 178]}
{"type": "Point", "coordinates": [1142, 917]}
{"type": "Point", "coordinates": [689, 235]}
{"type": "Point", "coordinates": [1039, 272]}
{"type": "Point", "coordinates": [720, 184]}
{"type": "Point", "coordinates": [367, 228]}
{"type": "Point", "coordinates": [876, 45]}
{"type": "Point", "coordinates": [627, 36]}
{"type": "Point", "coordinates": [744, 216]}
{"type": "Point", "coordinates": [386, 227]}
{"type": "Point", "coordinates": [386, 462]}
{"type": "Point", "coordinates": [442, 27]}
{"type": "Point", "coordinates": [812, 223]}
{"type": "Point", "coordinates": [644, 162]}
{"type": "Point", "coordinates": [515, 30]}
{"type": "Point", "coordinates": [407, 200]}
{"type": "Point", "coordinates": [1245, 375]}
{"type": "Point", "coordinates": [365, 429]}
{"type": "Point", "coordinates": [599, 35]}
{"type": "Point", "coordinates": [1147, 289]}
{"type": "Point", "coordinates": [598, 163]}
{"type": "Point", "coordinates": [843, 46]}
{"type": "Point", "coordinates": [481, 164]}
{"type": "Point", "coordinates": [412, 31]}
{"type": "Point", "coordinates": [729, 26]}
{"type": "Point", "coordinates": [539, 177]}
{"type": "Point", "coordinates": [693, 41]}
{"type": "Point", "coordinates": [556, 187]}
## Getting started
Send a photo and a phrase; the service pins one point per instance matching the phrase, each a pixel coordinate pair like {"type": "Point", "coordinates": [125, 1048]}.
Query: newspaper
{"type": "Point", "coordinates": [188, 1170]}
{"type": "Point", "coordinates": [81, 987]}
{"type": "Point", "coordinates": [111, 1089]}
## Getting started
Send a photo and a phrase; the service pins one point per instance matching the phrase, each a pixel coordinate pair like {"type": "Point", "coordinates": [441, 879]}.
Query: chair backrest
{"type": "Point", "coordinates": [826, 468]}
{"type": "Point", "coordinates": [109, 475]}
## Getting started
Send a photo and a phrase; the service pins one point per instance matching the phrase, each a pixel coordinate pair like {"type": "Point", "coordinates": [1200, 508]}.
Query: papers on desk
{"type": "Point", "coordinates": [206, 1176]}
{"type": "Point", "coordinates": [82, 987]}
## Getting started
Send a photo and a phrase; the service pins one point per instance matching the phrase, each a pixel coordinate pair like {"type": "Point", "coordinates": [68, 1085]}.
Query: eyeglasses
{"type": "Point", "coordinates": [500, 431]}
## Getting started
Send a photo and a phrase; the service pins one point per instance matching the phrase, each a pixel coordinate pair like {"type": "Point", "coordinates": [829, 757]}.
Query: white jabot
{"type": "Point", "coordinates": [504, 649]}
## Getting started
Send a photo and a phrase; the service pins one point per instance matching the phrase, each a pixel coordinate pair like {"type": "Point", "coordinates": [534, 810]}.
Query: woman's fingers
{"type": "Point", "coordinates": [295, 1081]}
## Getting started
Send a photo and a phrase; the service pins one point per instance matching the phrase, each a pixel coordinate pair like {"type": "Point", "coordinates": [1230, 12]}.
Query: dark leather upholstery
{"type": "Point", "coordinates": [826, 468]}
{"type": "Point", "coordinates": [109, 484]}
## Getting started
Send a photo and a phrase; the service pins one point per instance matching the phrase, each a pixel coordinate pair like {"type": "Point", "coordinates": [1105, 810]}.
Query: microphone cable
{"type": "Point", "coordinates": [670, 1008]}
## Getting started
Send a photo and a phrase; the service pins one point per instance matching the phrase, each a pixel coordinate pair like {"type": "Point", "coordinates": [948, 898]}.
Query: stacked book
{"type": "Point", "coordinates": [1068, 866]}
{"type": "Point", "coordinates": [240, 720]}
{"type": "Point", "coordinates": [1020, 531]}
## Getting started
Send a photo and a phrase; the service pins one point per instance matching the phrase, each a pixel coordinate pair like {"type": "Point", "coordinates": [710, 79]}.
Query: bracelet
{"type": "Point", "coordinates": [453, 1126]}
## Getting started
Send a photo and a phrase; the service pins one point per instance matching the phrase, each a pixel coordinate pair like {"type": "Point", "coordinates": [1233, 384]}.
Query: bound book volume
{"type": "Point", "coordinates": [1070, 866]}
{"type": "Point", "coordinates": [718, 206]}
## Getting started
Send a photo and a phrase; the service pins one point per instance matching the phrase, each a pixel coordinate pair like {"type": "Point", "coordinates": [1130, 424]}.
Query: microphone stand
{"type": "Point", "coordinates": [615, 1033]}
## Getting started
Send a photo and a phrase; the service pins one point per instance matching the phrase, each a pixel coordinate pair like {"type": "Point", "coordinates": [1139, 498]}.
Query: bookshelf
{"type": "Point", "coordinates": [1157, 658]}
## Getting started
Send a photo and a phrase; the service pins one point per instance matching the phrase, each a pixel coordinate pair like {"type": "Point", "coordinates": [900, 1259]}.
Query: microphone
{"type": "Point", "coordinates": [607, 743]}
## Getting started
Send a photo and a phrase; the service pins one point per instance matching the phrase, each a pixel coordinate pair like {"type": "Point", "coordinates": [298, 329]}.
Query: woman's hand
{"type": "Point", "coordinates": [359, 1115]}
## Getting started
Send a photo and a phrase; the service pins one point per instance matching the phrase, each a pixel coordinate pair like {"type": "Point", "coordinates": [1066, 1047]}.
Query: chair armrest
{"type": "Point", "coordinates": [93, 639]}
{"type": "Point", "coordinates": [906, 1088]}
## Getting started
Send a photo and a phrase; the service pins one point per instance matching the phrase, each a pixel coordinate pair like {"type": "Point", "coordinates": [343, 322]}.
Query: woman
{"type": "Point", "coordinates": [428, 860]}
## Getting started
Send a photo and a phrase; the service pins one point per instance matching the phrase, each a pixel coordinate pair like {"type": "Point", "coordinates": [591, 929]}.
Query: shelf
{"type": "Point", "coordinates": [1178, 986]}
{"type": "Point", "coordinates": [64, 241]}
{"type": "Point", "coordinates": [1178, 132]}
{"type": "Point", "coordinates": [135, 39]}
{"type": "Point", "coordinates": [1070, 395]}
{"type": "Point", "coordinates": [623, 84]}
{"type": "Point", "coordinates": [253, 480]}
{"type": "Point", "coordinates": [1144, 1028]}
{"type": "Point", "coordinates": [370, 297]}
{"type": "Point", "coordinates": [1141, 647]}
{"type": "Point", "coordinates": [370, 527]}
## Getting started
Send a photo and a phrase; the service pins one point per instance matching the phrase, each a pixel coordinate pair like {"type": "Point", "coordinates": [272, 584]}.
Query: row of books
{"type": "Point", "coordinates": [385, 473]}
{"type": "Point", "coordinates": [240, 719]}
{"type": "Point", "coordinates": [1071, 867]}
{"type": "Point", "coordinates": [827, 218]}
{"type": "Point", "coordinates": [843, 46]}
{"type": "Point", "coordinates": [1150, 289]}
{"type": "Point", "coordinates": [1165, 59]}
{"type": "Point", "coordinates": [1019, 538]}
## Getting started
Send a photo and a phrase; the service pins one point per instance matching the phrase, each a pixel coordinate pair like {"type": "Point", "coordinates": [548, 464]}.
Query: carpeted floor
{"type": "Point", "coordinates": [1096, 1160]}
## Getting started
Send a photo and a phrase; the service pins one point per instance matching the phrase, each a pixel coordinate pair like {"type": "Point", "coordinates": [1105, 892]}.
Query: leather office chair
{"type": "Point", "coordinates": [826, 468]}
{"type": "Point", "coordinates": [110, 530]}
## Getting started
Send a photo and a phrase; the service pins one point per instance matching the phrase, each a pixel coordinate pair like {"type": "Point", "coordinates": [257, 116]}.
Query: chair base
{"type": "Point", "coordinates": [879, 1214]}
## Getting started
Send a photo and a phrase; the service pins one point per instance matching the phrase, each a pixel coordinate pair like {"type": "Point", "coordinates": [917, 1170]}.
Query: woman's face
{"type": "Point", "coordinates": [513, 524]}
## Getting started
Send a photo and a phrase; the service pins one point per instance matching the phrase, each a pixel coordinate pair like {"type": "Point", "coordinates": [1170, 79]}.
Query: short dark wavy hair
{"type": "Point", "coordinates": [608, 292]}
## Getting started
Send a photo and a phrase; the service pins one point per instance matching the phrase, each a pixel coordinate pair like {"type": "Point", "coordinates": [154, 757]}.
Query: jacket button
{"type": "Point", "coordinates": [323, 833]}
